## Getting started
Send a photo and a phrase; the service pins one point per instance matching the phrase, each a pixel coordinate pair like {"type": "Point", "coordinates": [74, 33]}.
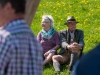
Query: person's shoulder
{"type": "Point", "coordinates": [79, 30]}
{"type": "Point", "coordinates": [5, 34]}
{"type": "Point", "coordinates": [89, 63]}
{"type": "Point", "coordinates": [61, 31]}
{"type": "Point", "coordinates": [39, 32]}
{"type": "Point", "coordinates": [56, 32]}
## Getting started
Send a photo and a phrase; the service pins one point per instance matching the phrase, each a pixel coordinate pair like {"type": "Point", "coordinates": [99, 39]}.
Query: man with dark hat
{"type": "Point", "coordinates": [72, 44]}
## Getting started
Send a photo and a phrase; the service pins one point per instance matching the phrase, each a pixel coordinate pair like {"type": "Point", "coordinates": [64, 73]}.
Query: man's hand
{"type": "Point", "coordinates": [75, 47]}
{"type": "Point", "coordinates": [47, 53]}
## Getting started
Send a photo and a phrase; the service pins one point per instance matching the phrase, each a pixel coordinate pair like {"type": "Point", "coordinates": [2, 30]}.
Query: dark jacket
{"type": "Point", "coordinates": [89, 64]}
{"type": "Point", "coordinates": [65, 39]}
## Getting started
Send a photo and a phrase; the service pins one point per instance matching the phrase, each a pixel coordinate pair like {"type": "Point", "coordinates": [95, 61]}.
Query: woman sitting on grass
{"type": "Point", "coordinates": [49, 38]}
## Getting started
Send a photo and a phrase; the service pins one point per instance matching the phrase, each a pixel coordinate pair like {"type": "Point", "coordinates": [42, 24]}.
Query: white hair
{"type": "Point", "coordinates": [50, 18]}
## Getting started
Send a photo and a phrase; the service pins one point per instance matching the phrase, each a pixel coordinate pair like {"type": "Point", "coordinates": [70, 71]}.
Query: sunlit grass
{"type": "Point", "coordinates": [87, 12]}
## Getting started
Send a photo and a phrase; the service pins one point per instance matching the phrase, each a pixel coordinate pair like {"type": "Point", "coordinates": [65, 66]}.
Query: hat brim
{"type": "Point", "coordinates": [69, 22]}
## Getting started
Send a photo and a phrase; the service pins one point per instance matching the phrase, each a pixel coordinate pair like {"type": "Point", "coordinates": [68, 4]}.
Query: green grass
{"type": "Point", "coordinates": [87, 12]}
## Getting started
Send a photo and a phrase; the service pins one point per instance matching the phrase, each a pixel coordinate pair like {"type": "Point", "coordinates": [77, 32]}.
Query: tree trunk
{"type": "Point", "coordinates": [31, 7]}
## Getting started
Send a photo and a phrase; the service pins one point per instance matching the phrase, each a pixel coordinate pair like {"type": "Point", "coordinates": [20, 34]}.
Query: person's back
{"type": "Point", "coordinates": [20, 52]}
{"type": "Point", "coordinates": [89, 64]}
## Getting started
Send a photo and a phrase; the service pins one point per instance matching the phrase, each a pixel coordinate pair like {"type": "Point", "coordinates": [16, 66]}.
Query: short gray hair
{"type": "Point", "coordinates": [50, 18]}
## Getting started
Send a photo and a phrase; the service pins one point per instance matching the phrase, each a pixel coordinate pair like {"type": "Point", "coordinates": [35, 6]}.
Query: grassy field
{"type": "Point", "coordinates": [87, 12]}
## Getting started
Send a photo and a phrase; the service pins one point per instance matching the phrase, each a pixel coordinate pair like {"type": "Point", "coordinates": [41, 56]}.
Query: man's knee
{"type": "Point", "coordinates": [55, 57]}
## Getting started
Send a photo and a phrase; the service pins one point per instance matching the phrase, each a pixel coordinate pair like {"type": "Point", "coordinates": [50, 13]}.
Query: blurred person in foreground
{"type": "Point", "coordinates": [72, 45]}
{"type": "Point", "coordinates": [89, 64]}
{"type": "Point", "coordinates": [49, 38]}
{"type": "Point", "coordinates": [20, 52]}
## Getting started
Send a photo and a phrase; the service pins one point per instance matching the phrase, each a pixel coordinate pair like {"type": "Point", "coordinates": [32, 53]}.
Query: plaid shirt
{"type": "Point", "coordinates": [20, 52]}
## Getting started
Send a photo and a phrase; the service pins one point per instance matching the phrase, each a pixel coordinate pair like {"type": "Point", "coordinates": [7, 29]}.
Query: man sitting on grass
{"type": "Point", "coordinates": [72, 44]}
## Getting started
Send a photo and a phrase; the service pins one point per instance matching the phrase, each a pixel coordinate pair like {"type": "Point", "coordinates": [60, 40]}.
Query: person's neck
{"type": "Point", "coordinates": [71, 31]}
{"type": "Point", "coordinates": [18, 16]}
{"type": "Point", "coordinates": [6, 20]}
{"type": "Point", "coordinates": [47, 29]}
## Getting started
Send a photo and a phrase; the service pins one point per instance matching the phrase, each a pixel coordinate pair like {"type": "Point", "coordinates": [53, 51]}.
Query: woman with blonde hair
{"type": "Point", "coordinates": [49, 38]}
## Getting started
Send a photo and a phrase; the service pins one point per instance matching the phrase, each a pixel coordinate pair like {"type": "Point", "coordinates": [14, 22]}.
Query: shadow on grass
{"type": "Point", "coordinates": [64, 67]}
{"type": "Point", "coordinates": [49, 65]}
{"type": "Point", "coordinates": [49, 69]}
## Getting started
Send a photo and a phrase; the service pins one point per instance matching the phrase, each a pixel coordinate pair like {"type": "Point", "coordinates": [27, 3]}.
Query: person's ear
{"type": "Point", "coordinates": [67, 24]}
{"type": "Point", "coordinates": [8, 8]}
